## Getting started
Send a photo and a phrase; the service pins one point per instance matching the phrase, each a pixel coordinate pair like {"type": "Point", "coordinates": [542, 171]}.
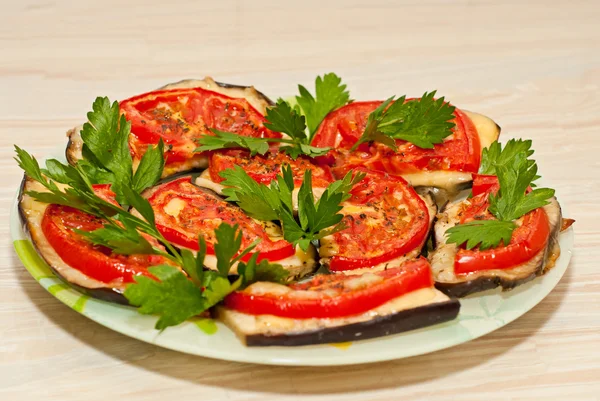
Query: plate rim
{"type": "Point", "coordinates": [566, 241]}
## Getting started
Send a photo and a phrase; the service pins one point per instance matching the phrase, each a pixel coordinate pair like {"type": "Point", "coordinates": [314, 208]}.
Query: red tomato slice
{"type": "Point", "coordinates": [342, 128]}
{"type": "Point", "coordinates": [264, 168]}
{"type": "Point", "coordinates": [529, 238]}
{"type": "Point", "coordinates": [94, 261]}
{"type": "Point", "coordinates": [180, 116]}
{"type": "Point", "coordinates": [331, 296]}
{"type": "Point", "coordinates": [385, 219]}
{"type": "Point", "coordinates": [184, 211]}
{"type": "Point", "coordinates": [485, 183]}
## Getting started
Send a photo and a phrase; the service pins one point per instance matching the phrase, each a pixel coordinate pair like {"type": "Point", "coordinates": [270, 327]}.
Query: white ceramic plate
{"type": "Point", "coordinates": [480, 314]}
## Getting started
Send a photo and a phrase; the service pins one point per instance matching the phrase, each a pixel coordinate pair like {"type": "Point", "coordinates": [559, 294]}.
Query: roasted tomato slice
{"type": "Point", "coordinates": [331, 296]}
{"type": "Point", "coordinates": [529, 238]}
{"type": "Point", "coordinates": [184, 211]}
{"type": "Point", "coordinates": [484, 183]}
{"type": "Point", "coordinates": [264, 168]}
{"type": "Point", "coordinates": [342, 128]}
{"type": "Point", "coordinates": [385, 219]}
{"type": "Point", "coordinates": [97, 262]}
{"type": "Point", "coordinates": [180, 116]}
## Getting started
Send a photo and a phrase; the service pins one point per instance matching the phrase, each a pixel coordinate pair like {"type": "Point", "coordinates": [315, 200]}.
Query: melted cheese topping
{"type": "Point", "coordinates": [245, 324]}
{"type": "Point", "coordinates": [328, 247]}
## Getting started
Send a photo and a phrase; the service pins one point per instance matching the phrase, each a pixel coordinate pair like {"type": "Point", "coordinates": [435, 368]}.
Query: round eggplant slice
{"type": "Point", "coordinates": [387, 224]}
{"type": "Point", "coordinates": [442, 259]}
{"type": "Point", "coordinates": [448, 165]}
{"type": "Point", "coordinates": [184, 210]}
{"type": "Point", "coordinates": [180, 112]}
{"type": "Point", "coordinates": [334, 308]}
{"type": "Point", "coordinates": [87, 268]}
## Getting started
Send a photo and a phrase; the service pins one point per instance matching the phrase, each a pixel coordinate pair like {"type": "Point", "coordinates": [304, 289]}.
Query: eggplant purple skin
{"type": "Point", "coordinates": [72, 161]}
{"type": "Point", "coordinates": [465, 288]}
{"type": "Point", "coordinates": [399, 322]}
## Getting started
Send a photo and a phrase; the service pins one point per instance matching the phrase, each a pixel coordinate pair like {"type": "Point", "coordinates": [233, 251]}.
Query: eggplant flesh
{"type": "Point", "coordinates": [328, 248]}
{"type": "Point", "coordinates": [298, 265]}
{"type": "Point", "coordinates": [256, 98]}
{"type": "Point", "coordinates": [31, 213]}
{"type": "Point", "coordinates": [420, 308]}
{"type": "Point", "coordinates": [442, 258]}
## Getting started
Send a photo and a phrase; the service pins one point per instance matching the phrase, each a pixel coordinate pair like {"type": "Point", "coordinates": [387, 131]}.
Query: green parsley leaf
{"type": "Point", "coordinates": [252, 271]}
{"type": "Point", "coordinates": [282, 118]}
{"type": "Point", "coordinates": [512, 201]}
{"type": "Point", "coordinates": [515, 174]}
{"type": "Point", "coordinates": [228, 140]}
{"type": "Point", "coordinates": [150, 168]}
{"type": "Point", "coordinates": [106, 140]}
{"type": "Point", "coordinates": [423, 122]}
{"type": "Point", "coordinates": [276, 203]}
{"type": "Point", "coordinates": [228, 243]}
{"type": "Point", "coordinates": [330, 94]}
{"type": "Point", "coordinates": [174, 298]}
{"type": "Point", "coordinates": [256, 199]}
{"type": "Point", "coordinates": [123, 240]}
{"type": "Point", "coordinates": [495, 155]}
{"type": "Point", "coordinates": [485, 233]}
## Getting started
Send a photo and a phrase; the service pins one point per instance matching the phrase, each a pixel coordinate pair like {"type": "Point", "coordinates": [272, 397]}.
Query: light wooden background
{"type": "Point", "coordinates": [534, 68]}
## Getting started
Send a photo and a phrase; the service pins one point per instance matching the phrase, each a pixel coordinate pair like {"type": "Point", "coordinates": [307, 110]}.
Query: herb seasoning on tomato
{"type": "Point", "coordinates": [265, 168]}
{"type": "Point", "coordinates": [181, 116]}
{"type": "Point", "coordinates": [184, 211]}
{"type": "Point", "coordinates": [385, 219]}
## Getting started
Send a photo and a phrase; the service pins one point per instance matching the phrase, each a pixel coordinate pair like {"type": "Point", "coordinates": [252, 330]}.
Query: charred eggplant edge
{"type": "Point", "coordinates": [402, 321]}
{"type": "Point", "coordinates": [462, 289]}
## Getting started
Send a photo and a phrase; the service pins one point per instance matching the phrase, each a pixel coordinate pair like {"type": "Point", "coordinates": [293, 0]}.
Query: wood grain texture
{"type": "Point", "coordinates": [533, 66]}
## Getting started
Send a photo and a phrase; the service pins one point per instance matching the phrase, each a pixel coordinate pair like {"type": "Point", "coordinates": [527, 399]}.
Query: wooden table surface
{"type": "Point", "coordinates": [534, 68]}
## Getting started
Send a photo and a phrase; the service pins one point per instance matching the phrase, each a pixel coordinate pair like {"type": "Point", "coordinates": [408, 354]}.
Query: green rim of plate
{"type": "Point", "coordinates": [480, 314]}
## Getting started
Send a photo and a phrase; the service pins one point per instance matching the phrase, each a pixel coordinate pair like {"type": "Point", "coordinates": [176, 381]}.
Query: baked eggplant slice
{"type": "Point", "coordinates": [90, 269]}
{"type": "Point", "coordinates": [387, 223]}
{"type": "Point", "coordinates": [442, 259]}
{"type": "Point", "coordinates": [184, 210]}
{"type": "Point", "coordinates": [448, 165]}
{"type": "Point", "coordinates": [337, 308]}
{"type": "Point", "coordinates": [181, 112]}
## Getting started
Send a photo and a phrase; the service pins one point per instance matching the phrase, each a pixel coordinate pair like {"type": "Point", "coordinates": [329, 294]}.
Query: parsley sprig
{"type": "Point", "coordinates": [423, 122]}
{"type": "Point", "coordinates": [177, 295]}
{"type": "Point", "coordinates": [281, 118]}
{"type": "Point", "coordinates": [307, 115]}
{"type": "Point", "coordinates": [175, 298]}
{"type": "Point", "coordinates": [275, 202]}
{"type": "Point", "coordinates": [106, 156]}
{"type": "Point", "coordinates": [515, 173]}
{"type": "Point", "coordinates": [330, 94]}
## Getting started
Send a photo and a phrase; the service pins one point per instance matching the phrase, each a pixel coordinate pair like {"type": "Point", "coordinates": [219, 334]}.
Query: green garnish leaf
{"type": "Point", "coordinates": [515, 172]}
{"type": "Point", "coordinates": [174, 298]}
{"type": "Point", "coordinates": [485, 233]}
{"type": "Point", "coordinates": [228, 140]}
{"type": "Point", "coordinates": [282, 118]}
{"type": "Point", "coordinates": [251, 271]}
{"type": "Point", "coordinates": [150, 168]}
{"type": "Point", "coordinates": [423, 122]}
{"type": "Point", "coordinates": [512, 201]}
{"type": "Point", "coordinates": [275, 202]}
{"type": "Point", "coordinates": [330, 94]}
